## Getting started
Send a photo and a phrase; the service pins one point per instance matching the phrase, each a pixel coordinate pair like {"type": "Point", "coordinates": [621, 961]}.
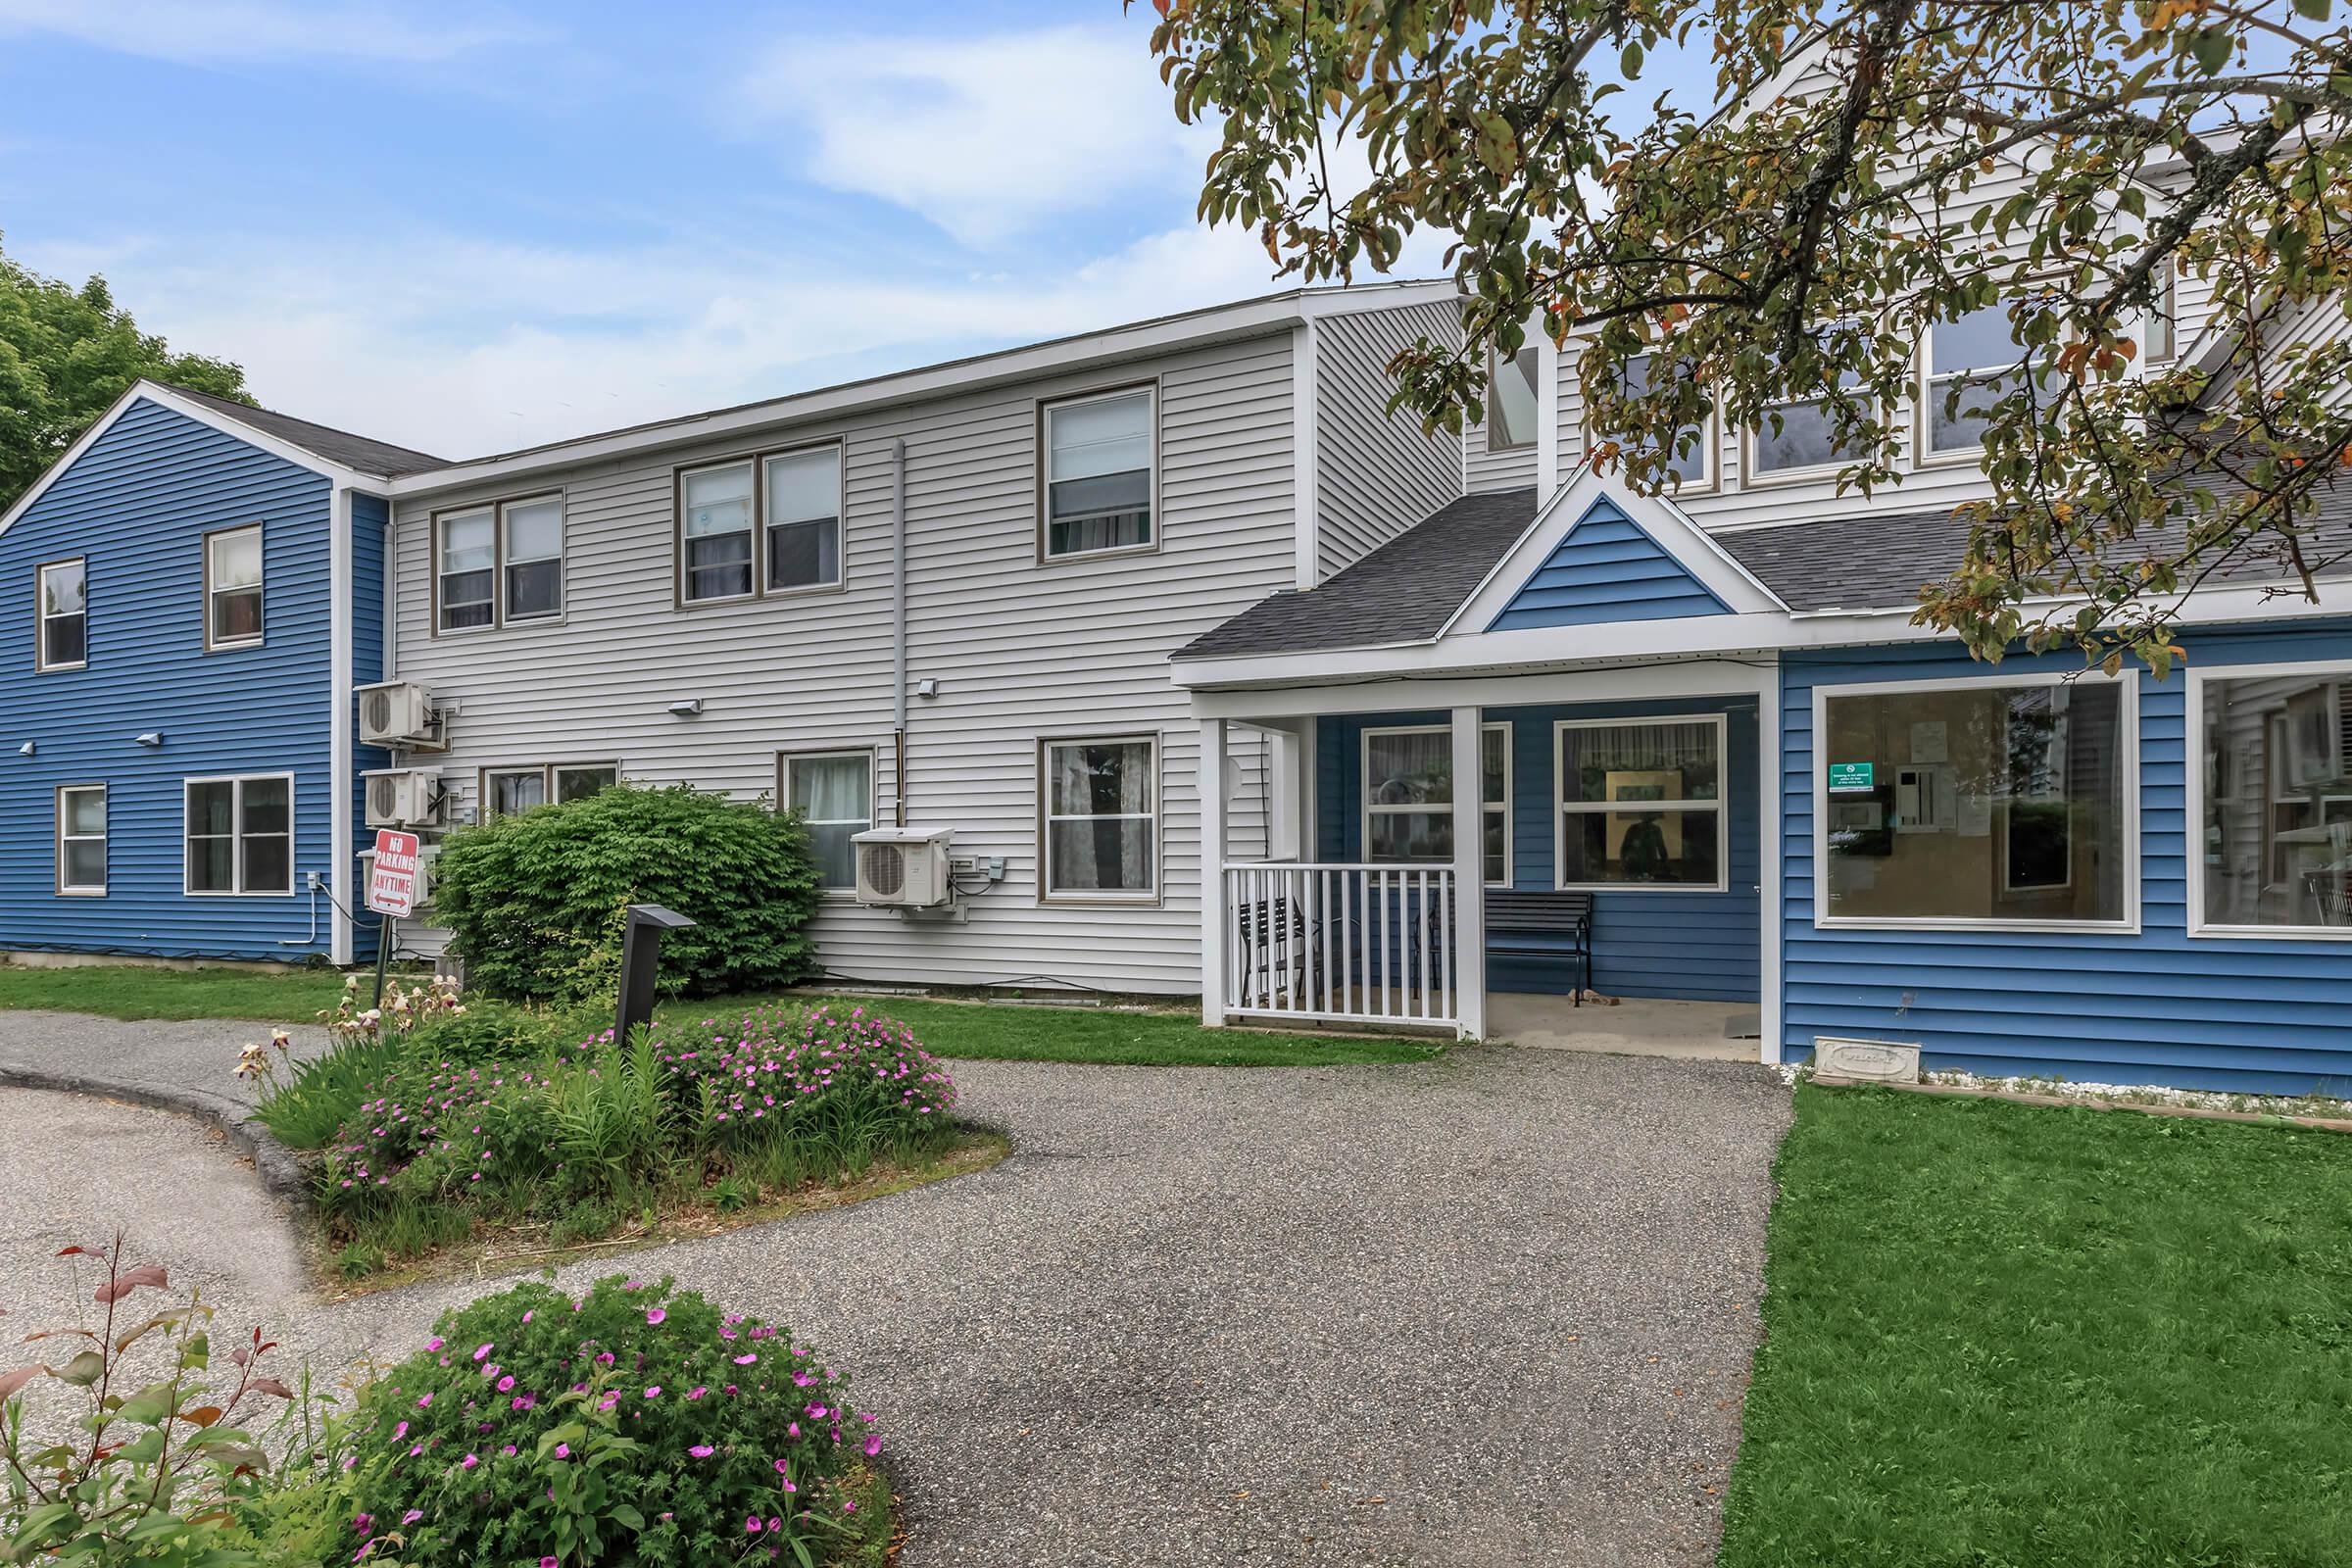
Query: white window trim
{"type": "Point", "coordinates": [1925, 455]}
{"type": "Point", "coordinates": [1045, 409]}
{"type": "Point", "coordinates": [2193, 848]}
{"type": "Point", "coordinates": [1710, 445]}
{"type": "Point", "coordinates": [2129, 925]}
{"type": "Point", "coordinates": [546, 773]}
{"type": "Point", "coordinates": [872, 757]}
{"type": "Point", "coordinates": [1720, 807]}
{"type": "Point", "coordinates": [1123, 898]}
{"type": "Point", "coordinates": [1494, 364]}
{"type": "Point", "coordinates": [1366, 810]}
{"type": "Point", "coordinates": [499, 562]}
{"type": "Point", "coordinates": [764, 527]}
{"type": "Point", "coordinates": [213, 591]}
{"type": "Point", "coordinates": [65, 836]}
{"type": "Point", "coordinates": [41, 617]}
{"type": "Point", "coordinates": [236, 837]}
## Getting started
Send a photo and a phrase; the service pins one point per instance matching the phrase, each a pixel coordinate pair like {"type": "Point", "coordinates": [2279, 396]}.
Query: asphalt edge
{"type": "Point", "coordinates": [282, 1173]}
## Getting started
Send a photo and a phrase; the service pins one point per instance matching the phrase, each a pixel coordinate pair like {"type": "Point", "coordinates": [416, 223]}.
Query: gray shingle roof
{"type": "Point", "coordinates": [354, 452]}
{"type": "Point", "coordinates": [1403, 592]}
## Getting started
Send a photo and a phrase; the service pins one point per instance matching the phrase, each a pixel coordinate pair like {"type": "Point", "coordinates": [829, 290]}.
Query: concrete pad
{"type": "Point", "coordinates": [1636, 1026]}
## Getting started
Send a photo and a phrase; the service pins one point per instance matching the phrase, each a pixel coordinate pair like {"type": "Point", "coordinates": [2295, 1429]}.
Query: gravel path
{"type": "Point", "coordinates": [1497, 1308]}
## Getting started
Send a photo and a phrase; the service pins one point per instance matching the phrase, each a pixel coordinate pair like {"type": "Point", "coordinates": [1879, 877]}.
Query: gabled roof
{"type": "Point", "coordinates": [354, 452]}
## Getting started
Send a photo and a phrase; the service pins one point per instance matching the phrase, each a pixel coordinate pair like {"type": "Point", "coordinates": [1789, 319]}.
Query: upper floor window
{"type": "Point", "coordinates": [1972, 363]}
{"type": "Point", "coordinates": [834, 793]}
{"type": "Point", "coordinates": [714, 530]}
{"type": "Point", "coordinates": [1689, 464]}
{"type": "Point", "coordinates": [803, 499]}
{"type": "Point", "coordinates": [2162, 339]}
{"type": "Point", "coordinates": [232, 587]}
{"type": "Point", "coordinates": [64, 639]}
{"type": "Point", "coordinates": [239, 834]}
{"type": "Point", "coordinates": [81, 839]}
{"type": "Point", "coordinates": [500, 564]}
{"type": "Point", "coordinates": [1099, 462]}
{"type": "Point", "coordinates": [1799, 433]}
{"type": "Point", "coordinates": [790, 500]}
{"type": "Point", "coordinates": [1511, 399]}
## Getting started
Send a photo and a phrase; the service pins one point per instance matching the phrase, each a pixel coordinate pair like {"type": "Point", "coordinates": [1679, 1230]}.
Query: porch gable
{"type": "Point", "coordinates": [1607, 567]}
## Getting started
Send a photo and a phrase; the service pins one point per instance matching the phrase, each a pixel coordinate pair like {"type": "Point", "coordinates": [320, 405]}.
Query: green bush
{"type": "Point", "coordinates": [633, 1425]}
{"type": "Point", "coordinates": [533, 900]}
{"type": "Point", "coordinates": [499, 1031]}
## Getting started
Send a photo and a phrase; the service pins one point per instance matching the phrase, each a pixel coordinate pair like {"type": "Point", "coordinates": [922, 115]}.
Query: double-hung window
{"type": "Point", "coordinates": [232, 587]}
{"type": "Point", "coordinates": [714, 533]}
{"type": "Point", "coordinates": [1409, 798]}
{"type": "Point", "coordinates": [507, 791]}
{"type": "Point", "coordinates": [803, 518]}
{"type": "Point", "coordinates": [499, 564]}
{"type": "Point", "coordinates": [1972, 364]}
{"type": "Point", "coordinates": [2161, 341]}
{"type": "Point", "coordinates": [64, 638]}
{"type": "Point", "coordinates": [1512, 399]}
{"type": "Point", "coordinates": [1800, 434]}
{"type": "Point", "coordinates": [1642, 803]}
{"type": "Point", "coordinates": [2005, 802]}
{"type": "Point", "coordinates": [81, 840]}
{"type": "Point", "coordinates": [1101, 814]}
{"type": "Point", "coordinates": [239, 834]}
{"type": "Point", "coordinates": [1099, 481]}
{"type": "Point", "coordinates": [2272, 850]}
{"type": "Point", "coordinates": [770, 524]}
{"type": "Point", "coordinates": [834, 793]}
{"type": "Point", "coordinates": [1686, 464]}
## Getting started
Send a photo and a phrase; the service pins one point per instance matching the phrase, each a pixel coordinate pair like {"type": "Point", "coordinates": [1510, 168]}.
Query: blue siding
{"type": "Point", "coordinates": [136, 506]}
{"type": "Point", "coordinates": [1607, 568]}
{"type": "Point", "coordinates": [2258, 1016]}
{"type": "Point", "coordinates": [1698, 946]}
{"type": "Point", "coordinates": [368, 519]}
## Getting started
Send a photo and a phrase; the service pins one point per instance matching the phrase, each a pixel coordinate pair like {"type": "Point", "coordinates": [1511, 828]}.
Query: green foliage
{"type": "Point", "coordinates": [636, 1424]}
{"type": "Point", "coordinates": [531, 899]}
{"type": "Point", "coordinates": [2003, 1336]}
{"type": "Point", "coordinates": [135, 991]}
{"type": "Point", "coordinates": [305, 1110]}
{"type": "Point", "coordinates": [65, 354]}
{"type": "Point", "coordinates": [1875, 171]}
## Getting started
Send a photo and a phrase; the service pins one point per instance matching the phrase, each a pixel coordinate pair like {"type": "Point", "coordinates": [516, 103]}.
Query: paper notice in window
{"type": "Point", "coordinates": [1930, 742]}
{"type": "Point", "coordinates": [1976, 816]}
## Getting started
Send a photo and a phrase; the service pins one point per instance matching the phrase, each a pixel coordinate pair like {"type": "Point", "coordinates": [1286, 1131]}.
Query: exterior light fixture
{"type": "Point", "coordinates": [687, 707]}
{"type": "Point", "coordinates": [151, 738]}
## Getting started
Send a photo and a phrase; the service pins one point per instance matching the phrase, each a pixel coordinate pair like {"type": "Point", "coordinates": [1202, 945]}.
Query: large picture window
{"type": "Point", "coordinates": [239, 835]}
{"type": "Point", "coordinates": [1642, 803]}
{"type": "Point", "coordinates": [62, 641]}
{"type": "Point", "coordinates": [232, 587]}
{"type": "Point", "coordinates": [1101, 818]}
{"type": "Point", "coordinates": [2002, 803]}
{"type": "Point", "coordinates": [1512, 400]}
{"type": "Point", "coordinates": [1098, 482]}
{"type": "Point", "coordinates": [81, 840]}
{"type": "Point", "coordinates": [2274, 840]}
{"type": "Point", "coordinates": [1409, 798]}
{"type": "Point", "coordinates": [834, 793]}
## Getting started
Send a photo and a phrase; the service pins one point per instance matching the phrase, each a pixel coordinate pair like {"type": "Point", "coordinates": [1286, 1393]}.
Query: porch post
{"type": "Point", "coordinates": [1212, 872]}
{"type": "Point", "coordinates": [1469, 876]}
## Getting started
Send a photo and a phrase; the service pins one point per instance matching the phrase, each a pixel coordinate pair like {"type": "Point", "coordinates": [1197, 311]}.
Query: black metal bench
{"type": "Point", "coordinates": [1523, 916]}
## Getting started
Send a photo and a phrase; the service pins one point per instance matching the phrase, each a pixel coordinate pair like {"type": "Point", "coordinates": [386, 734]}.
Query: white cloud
{"type": "Point", "coordinates": [201, 31]}
{"type": "Point", "coordinates": [986, 137]}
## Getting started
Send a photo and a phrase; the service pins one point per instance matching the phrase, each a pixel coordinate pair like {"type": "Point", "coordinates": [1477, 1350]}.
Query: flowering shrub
{"type": "Point", "coordinates": [784, 1067]}
{"type": "Point", "coordinates": [631, 1424]}
{"type": "Point", "coordinates": [402, 1011]}
{"type": "Point", "coordinates": [307, 1107]}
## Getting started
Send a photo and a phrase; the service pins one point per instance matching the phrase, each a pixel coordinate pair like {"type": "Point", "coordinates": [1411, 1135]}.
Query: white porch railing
{"type": "Point", "coordinates": [1352, 943]}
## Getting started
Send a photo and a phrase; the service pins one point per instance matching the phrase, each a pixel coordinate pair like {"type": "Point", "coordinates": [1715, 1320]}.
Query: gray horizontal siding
{"type": "Point", "coordinates": [1020, 650]}
{"type": "Point", "coordinates": [1375, 473]}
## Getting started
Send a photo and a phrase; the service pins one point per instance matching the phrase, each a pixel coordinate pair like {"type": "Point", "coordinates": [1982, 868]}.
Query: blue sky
{"type": "Point", "coordinates": [470, 227]}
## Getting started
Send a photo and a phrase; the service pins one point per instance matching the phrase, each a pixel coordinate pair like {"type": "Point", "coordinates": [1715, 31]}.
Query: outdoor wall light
{"type": "Point", "coordinates": [25, 750]}
{"type": "Point", "coordinates": [687, 707]}
{"type": "Point", "coordinates": [151, 738]}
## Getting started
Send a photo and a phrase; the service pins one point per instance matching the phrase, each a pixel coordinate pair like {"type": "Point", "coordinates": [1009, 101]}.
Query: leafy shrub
{"type": "Point", "coordinates": [498, 1031]}
{"type": "Point", "coordinates": [307, 1106]}
{"type": "Point", "coordinates": [633, 1425]}
{"type": "Point", "coordinates": [531, 898]}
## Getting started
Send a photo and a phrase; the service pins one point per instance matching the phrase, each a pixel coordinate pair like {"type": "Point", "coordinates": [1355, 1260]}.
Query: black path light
{"type": "Point", "coordinates": [640, 960]}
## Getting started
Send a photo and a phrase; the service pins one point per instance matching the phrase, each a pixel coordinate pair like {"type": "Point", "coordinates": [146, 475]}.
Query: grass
{"type": "Point", "coordinates": [2003, 1337]}
{"type": "Point", "coordinates": [969, 1031]}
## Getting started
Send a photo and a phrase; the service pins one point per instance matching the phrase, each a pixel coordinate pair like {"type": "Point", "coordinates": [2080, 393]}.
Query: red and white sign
{"type": "Point", "coordinates": [392, 875]}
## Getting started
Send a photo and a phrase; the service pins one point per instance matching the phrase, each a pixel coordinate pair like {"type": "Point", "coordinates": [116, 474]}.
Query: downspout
{"type": "Point", "coordinates": [898, 621]}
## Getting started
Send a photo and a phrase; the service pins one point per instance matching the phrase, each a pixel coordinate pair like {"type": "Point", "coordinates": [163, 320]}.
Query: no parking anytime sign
{"type": "Point", "coordinates": [392, 875]}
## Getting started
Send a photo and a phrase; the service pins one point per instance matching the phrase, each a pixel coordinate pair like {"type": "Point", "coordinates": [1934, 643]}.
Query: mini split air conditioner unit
{"type": "Point", "coordinates": [903, 867]}
{"type": "Point", "coordinates": [397, 713]}
{"type": "Point", "coordinates": [402, 797]}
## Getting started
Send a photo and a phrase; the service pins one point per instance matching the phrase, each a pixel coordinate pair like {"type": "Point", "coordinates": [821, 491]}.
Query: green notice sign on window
{"type": "Point", "coordinates": [1850, 778]}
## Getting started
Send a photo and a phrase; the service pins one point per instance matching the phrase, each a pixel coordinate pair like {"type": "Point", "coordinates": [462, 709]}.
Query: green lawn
{"type": "Point", "coordinates": [948, 1029]}
{"type": "Point", "coordinates": [1997, 1335]}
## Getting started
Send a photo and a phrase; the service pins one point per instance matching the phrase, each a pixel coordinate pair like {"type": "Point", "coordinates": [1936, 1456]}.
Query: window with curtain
{"type": "Point", "coordinates": [1688, 461]}
{"type": "Point", "coordinates": [834, 793]}
{"type": "Point", "coordinates": [534, 557]}
{"type": "Point", "coordinates": [2276, 801]}
{"type": "Point", "coordinates": [81, 839]}
{"type": "Point", "coordinates": [803, 519]}
{"type": "Point", "coordinates": [1409, 798]}
{"type": "Point", "coordinates": [239, 835]}
{"type": "Point", "coordinates": [232, 587]}
{"type": "Point", "coordinates": [1099, 455]}
{"type": "Point", "coordinates": [467, 551]}
{"type": "Point", "coordinates": [2003, 803]}
{"type": "Point", "coordinates": [1512, 400]}
{"type": "Point", "coordinates": [1101, 810]}
{"type": "Point", "coordinates": [1973, 363]}
{"type": "Point", "coordinates": [715, 532]}
{"type": "Point", "coordinates": [1642, 803]}
{"type": "Point", "coordinates": [64, 639]}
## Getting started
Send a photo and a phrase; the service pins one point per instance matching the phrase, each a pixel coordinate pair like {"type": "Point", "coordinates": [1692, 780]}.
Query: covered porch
{"type": "Point", "coordinates": [1610, 884]}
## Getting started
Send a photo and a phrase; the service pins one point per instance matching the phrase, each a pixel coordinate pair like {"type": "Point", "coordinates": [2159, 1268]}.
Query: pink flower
{"type": "Point", "coordinates": [782, 1467]}
{"type": "Point", "coordinates": [547, 1562]}
{"type": "Point", "coordinates": [654, 1392]}
{"type": "Point", "coordinates": [469, 1463]}
{"type": "Point", "coordinates": [423, 1400]}
{"type": "Point", "coordinates": [412, 1516]}
{"type": "Point", "coordinates": [563, 1451]}
{"type": "Point", "coordinates": [399, 1432]}
{"type": "Point", "coordinates": [506, 1384]}
{"type": "Point", "coordinates": [433, 1344]}
{"type": "Point", "coordinates": [747, 1358]}
{"type": "Point", "coordinates": [751, 1525]}
{"type": "Point", "coordinates": [655, 1315]}
{"type": "Point", "coordinates": [873, 1446]}
{"type": "Point", "coordinates": [484, 1350]}
{"type": "Point", "coordinates": [701, 1450]}
{"type": "Point", "coordinates": [696, 1392]}
{"type": "Point", "coordinates": [846, 1506]}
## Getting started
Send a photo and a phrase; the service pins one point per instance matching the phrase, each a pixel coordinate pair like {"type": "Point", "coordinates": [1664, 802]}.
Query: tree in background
{"type": "Point", "coordinates": [66, 353]}
{"type": "Point", "coordinates": [1793, 249]}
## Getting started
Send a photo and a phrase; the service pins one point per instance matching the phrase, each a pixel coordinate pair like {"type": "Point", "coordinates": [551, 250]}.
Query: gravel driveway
{"type": "Point", "coordinates": [1494, 1309]}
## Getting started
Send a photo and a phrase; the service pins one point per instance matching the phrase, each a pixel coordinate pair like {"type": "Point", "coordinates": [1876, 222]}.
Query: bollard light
{"type": "Point", "coordinates": [640, 962]}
